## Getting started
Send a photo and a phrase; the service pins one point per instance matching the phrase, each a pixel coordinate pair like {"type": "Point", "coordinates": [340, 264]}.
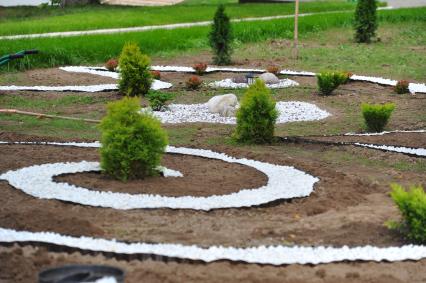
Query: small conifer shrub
{"type": "Point", "coordinates": [193, 83]}
{"type": "Point", "coordinates": [200, 68]}
{"type": "Point", "coordinates": [111, 64]}
{"type": "Point", "coordinates": [412, 204]}
{"type": "Point", "coordinates": [221, 37]}
{"type": "Point", "coordinates": [135, 76]}
{"type": "Point", "coordinates": [132, 142]}
{"type": "Point", "coordinates": [376, 116]}
{"type": "Point", "coordinates": [329, 81]}
{"type": "Point", "coordinates": [158, 100]}
{"type": "Point", "coordinates": [156, 75]}
{"type": "Point", "coordinates": [257, 115]}
{"type": "Point", "coordinates": [402, 87]}
{"type": "Point", "coordinates": [365, 21]}
{"type": "Point", "coordinates": [273, 69]}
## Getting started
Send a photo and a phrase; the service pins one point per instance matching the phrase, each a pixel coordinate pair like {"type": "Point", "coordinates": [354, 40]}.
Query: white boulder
{"type": "Point", "coordinates": [269, 78]}
{"type": "Point", "coordinates": [224, 105]}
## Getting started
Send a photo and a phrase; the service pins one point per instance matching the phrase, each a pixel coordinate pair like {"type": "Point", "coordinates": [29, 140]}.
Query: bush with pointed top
{"type": "Point", "coordinates": [221, 37]}
{"type": "Point", "coordinates": [256, 116]}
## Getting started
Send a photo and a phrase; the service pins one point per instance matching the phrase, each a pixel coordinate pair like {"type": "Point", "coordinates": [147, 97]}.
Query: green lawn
{"type": "Point", "coordinates": [54, 19]}
{"type": "Point", "coordinates": [97, 49]}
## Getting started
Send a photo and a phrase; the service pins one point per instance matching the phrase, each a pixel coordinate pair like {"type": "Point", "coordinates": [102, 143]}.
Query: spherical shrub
{"type": "Point", "coordinates": [273, 69]}
{"type": "Point", "coordinates": [376, 116]}
{"type": "Point", "coordinates": [200, 68]}
{"type": "Point", "coordinates": [135, 76]}
{"type": "Point", "coordinates": [111, 64]}
{"type": "Point", "coordinates": [156, 75]}
{"type": "Point", "coordinates": [132, 143]}
{"type": "Point", "coordinates": [257, 115]}
{"type": "Point", "coordinates": [412, 205]}
{"type": "Point", "coordinates": [193, 83]}
{"type": "Point", "coordinates": [329, 81]}
{"type": "Point", "coordinates": [402, 87]}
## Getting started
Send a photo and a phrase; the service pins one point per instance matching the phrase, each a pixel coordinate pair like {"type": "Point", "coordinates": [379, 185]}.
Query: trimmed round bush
{"type": "Point", "coordinates": [135, 75]}
{"type": "Point", "coordinates": [257, 115]}
{"type": "Point", "coordinates": [402, 87]}
{"type": "Point", "coordinates": [376, 116]}
{"type": "Point", "coordinates": [329, 81]}
{"type": "Point", "coordinates": [132, 143]}
{"type": "Point", "coordinates": [412, 204]}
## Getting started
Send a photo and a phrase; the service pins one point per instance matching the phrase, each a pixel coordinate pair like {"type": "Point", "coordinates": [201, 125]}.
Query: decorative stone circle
{"type": "Point", "coordinates": [284, 182]}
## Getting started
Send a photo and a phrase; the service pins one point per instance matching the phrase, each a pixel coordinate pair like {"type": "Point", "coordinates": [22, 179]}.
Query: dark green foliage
{"type": "Point", "coordinates": [257, 115]}
{"type": "Point", "coordinates": [158, 100]}
{"type": "Point", "coordinates": [135, 76]}
{"type": "Point", "coordinates": [365, 20]}
{"type": "Point", "coordinates": [132, 143]}
{"type": "Point", "coordinates": [376, 116]}
{"type": "Point", "coordinates": [412, 205]}
{"type": "Point", "coordinates": [221, 37]}
{"type": "Point", "coordinates": [329, 81]}
{"type": "Point", "coordinates": [402, 87]}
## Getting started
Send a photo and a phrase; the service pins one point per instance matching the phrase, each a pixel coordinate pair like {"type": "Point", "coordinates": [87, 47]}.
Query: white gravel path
{"type": "Point", "coordinates": [274, 255]}
{"type": "Point", "coordinates": [284, 182]}
{"type": "Point", "coordinates": [156, 85]}
{"type": "Point", "coordinates": [289, 111]}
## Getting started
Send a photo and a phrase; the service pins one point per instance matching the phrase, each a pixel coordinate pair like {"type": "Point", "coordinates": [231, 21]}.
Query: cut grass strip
{"type": "Point", "coordinates": [53, 19]}
{"type": "Point", "coordinates": [97, 48]}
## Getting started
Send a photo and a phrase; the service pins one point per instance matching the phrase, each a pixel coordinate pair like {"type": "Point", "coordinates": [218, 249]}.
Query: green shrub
{"type": "Point", "coordinates": [257, 115]}
{"type": "Point", "coordinates": [365, 20]}
{"type": "Point", "coordinates": [132, 143]}
{"type": "Point", "coordinates": [412, 205]}
{"type": "Point", "coordinates": [329, 81]}
{"type": "Point", "coordinates": [401, 87]}
{"type": "Point", "coordinates": [135, 76]}
{"type": "Point", "coordinates": [158, 100]}
{"type": "Point", "coordinates": [376, 116]}
{"type": "Point", "coordinates": [221, 37]}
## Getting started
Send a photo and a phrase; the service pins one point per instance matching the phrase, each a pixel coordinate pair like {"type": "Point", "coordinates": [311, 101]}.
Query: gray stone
{"type": "Point", "coordinates": [269, 78]}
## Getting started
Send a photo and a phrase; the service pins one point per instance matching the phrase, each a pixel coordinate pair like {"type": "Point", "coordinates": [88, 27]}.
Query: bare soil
{"type": "Point", "coordinates": [349, 206]}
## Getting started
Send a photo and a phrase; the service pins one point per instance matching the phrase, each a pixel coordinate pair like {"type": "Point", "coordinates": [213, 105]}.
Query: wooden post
{"type": "Point", "coordinates": [296, 31]}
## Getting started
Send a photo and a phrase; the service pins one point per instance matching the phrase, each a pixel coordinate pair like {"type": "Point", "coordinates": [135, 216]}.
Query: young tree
{"type": "Point", "coordinates": [221, 37]}
{"type": "Point", "coordinates": [365, 20]}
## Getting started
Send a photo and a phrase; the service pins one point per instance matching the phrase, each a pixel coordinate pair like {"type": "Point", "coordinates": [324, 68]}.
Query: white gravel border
{"type": "Point", "coordinates": [413, 87]}
{"type": "Point", "coordinates": [228, 83]}
{"type": "Point", "coordinates": [274, 255]}
{"type": "Point", "coordinates": [400, 149]}
{"type": "Point", "coordinates": [289, 111]}
{"type": "Point", "coordinates": [284, 182]}
{"type": "Point", "coordinates": [385, 133]}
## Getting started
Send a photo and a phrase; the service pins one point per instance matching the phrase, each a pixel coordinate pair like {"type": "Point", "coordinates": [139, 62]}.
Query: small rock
{"type": "Point", "coordinates": [224, 105]}
{"type": "Point", "coordinates": [269, 78]}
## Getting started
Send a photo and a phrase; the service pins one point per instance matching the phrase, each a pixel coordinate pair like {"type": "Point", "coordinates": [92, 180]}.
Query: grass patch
{"type": "Point", "coordinates": [98, 48]}
{"type": "Point", "coordinates": [25, 20]}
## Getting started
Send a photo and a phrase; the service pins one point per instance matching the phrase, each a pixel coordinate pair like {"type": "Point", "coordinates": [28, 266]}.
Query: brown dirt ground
{"type": "Point", "coordinates": [345, 208]}
{"type": "Point", "coordinates": [348, 207]}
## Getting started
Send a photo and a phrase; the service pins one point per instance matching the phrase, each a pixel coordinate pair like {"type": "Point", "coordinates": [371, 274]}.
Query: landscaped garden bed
{"type": "Point", "coordinates": [198, 181]}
